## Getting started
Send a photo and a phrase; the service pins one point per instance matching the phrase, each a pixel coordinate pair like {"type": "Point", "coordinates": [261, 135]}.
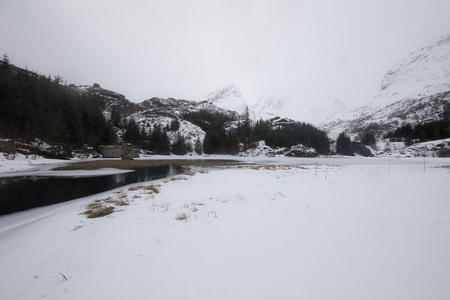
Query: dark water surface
{"type": "Point", "coordinates": [20, 193]}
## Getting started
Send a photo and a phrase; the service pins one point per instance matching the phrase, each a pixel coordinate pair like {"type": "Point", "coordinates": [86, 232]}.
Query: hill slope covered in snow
{"type": "Point", "coordinates": [414, 91]}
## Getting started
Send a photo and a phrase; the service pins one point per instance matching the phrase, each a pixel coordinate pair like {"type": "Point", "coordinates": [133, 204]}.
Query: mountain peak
{"type": "Point", "coordinates": [230, 98]}
{"type": "Point", "coordinates": [228, 90]}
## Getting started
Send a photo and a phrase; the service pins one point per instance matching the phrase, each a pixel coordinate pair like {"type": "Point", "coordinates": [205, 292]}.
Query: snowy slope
{"type": "Point", "coordinates": [146, 120]}
{"type": "Point", "coordinates": [265, 108]}
{"type": "Point", "coordinates": [414, 91]}
{"type": "Point", "coordinates": [230, 98]}
{"type": "Point", "coordinates": [380, 119]}
{"type": "Point", "coordinates": [423, 72]}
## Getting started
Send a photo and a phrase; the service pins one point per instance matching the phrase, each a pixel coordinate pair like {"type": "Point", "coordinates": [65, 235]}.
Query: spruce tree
{"type": "Point", "coordinates": [198, 148]}
{"type": "Point", "coordinates": [115, 116]}
{"type": "Point", "coordinates": [344, 145]}
{"type": "Point", "coordinates": [60, 137]}
{"type": "Point", "coordinates": [132, 134]}
{"type": "Point", "coordinates": [179, 147]}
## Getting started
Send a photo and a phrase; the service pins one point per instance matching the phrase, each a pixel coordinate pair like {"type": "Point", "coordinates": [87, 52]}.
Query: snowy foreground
{"type": "Point", "coordinates": [347, 229]}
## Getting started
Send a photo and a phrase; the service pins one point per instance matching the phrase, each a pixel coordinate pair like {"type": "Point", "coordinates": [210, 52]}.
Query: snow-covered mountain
{"type": "Point", "coordinates": [265, 108]}
{"type": "Point", "coordinates": [229, 98]}
{"type": "Point", "coordinates": [423, 72]}
{"type": "Point", "coordinates": [382, 119]}
{"type": "Point", "coordinates": [415, 90]}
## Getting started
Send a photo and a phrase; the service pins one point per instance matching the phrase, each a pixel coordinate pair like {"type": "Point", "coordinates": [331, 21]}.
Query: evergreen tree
{"type": "Point", "coordinates": [159, 141]}
{"type": "Point", "coordinates": [60, 137]}
{"type": "Point", "coordinates": [115, 116]}
{"type": "Point", "coordinates": [5, 63]}
{"type": "Point", "coordinates": [174, 125]}
{"type": "Point", "coordinates": [344, 145]}
{"type": "Point", "coordinates": [212, 142]}
{"type": "Point", "coordinates": [369, 139]}
{"type": "Point", "coordinates": [261, 129]}
{"type": "Point", "coordinates": [165, 143]}
{"type": "Point", "coordinates": [179, 147]}
{"type": "Point", "coordinates": [132, 134]}
{"type": "Point", "coordinates": [108, 135]}
{"type": "Point", "coordinates": [198, 148]}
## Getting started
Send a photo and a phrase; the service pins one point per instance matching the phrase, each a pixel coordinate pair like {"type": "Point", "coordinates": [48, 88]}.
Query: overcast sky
{"type": "Point", "coordinates": [302, 51]}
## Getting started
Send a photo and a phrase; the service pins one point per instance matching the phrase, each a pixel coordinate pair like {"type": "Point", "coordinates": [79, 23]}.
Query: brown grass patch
{"type": "Point", "coordinates": [98, 210]}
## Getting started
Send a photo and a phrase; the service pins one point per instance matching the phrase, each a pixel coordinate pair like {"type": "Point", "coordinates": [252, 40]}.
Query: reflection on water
{"type": "Point", "coordinates": [20, 193]}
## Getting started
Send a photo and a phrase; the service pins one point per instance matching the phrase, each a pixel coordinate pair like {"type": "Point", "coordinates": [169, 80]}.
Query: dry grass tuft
{"type": "Point", "coordinates": [98, 210]}
{"type": "Point", "coordinates": [122, 202]}
{"type": "Point", "coordinates": [182, 217]}
{"type": "Point", "coordinates": [134, 188]}
{"type": "Point", "coordinates": [176, 178]}
{"type": "Point", "coordinates": [102, 207]}
{"type": "Point", "coordinates": [152, 188]}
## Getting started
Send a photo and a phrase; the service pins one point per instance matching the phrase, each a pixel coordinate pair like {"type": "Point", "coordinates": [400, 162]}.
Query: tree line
{"type": "Point", "coordinates": [219, 140]}
{"type": "Point", "coordinates": [429, 131]}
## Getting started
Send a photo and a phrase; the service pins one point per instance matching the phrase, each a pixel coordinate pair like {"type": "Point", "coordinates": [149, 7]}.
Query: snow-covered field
{"type": "Point", "coordinates": [341, 229]}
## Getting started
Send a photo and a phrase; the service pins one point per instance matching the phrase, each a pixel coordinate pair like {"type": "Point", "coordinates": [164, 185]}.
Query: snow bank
{"type": "Point", "coordinates": [24, 162]}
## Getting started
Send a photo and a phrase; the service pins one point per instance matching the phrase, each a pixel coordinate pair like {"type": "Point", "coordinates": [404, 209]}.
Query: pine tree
{"type": "Point", "coordinates": [179, 147]}
{"type": "Point", "coordinates": [5, 63]}
{"type": "Point", "coordinates": [174, 125]}
{"type": "Point", "coordinates": [132, 134]}
{"type": "Point", "coordinates": [369, 139]}
{"type": "Point", "coordinates": [344, 145]}
{"type": "Point", "coordinates": [115, 116]}
{"type": "Point", "coordinates": [198, 148]}
{"type": "Point", "coordinates": [108, 135]}
{"type": "Point", "coordinates": [60, 137]}
{"type": "Point", "coordinates": [165, 143]}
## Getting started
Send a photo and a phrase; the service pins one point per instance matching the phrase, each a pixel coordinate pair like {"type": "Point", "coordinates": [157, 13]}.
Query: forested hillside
{"type": "Point", "coordinates": [37, 106]}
